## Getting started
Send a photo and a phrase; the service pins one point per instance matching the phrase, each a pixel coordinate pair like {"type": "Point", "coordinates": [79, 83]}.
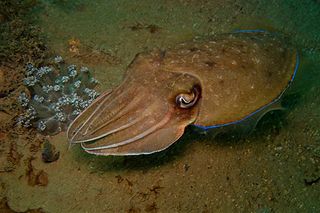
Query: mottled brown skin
{"type": "Point", "coordinates": [235, 74]}
{"type": "Point", "coordinates": [239, 73]}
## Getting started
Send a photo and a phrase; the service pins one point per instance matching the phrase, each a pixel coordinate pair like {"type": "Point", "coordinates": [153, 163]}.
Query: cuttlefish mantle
{"type": "Point", "coordinates": [208, 83]}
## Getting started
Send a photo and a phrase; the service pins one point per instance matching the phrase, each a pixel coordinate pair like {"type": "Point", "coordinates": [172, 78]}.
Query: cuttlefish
{"type": "Point", "coordinates": [208, 83]}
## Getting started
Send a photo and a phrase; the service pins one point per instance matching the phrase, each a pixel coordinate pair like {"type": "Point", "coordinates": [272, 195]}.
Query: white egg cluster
{"type": "Point", "coordinates": [58, 93]}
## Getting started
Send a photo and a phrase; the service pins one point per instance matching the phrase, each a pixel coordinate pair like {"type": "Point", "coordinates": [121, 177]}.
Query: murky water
{"type": "Point", "coordinates": [276, 169]}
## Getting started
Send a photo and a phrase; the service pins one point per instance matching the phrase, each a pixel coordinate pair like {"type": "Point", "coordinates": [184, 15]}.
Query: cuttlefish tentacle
{"type": "Point", "coordinates": [118, 117]}
{"type": "Point", "coordinates": [139, 135]}
{"type": "Point", "coordinates": [151, 121]}
{"type": "Point", "coordinates": [123, 129]}
{"type": "Point", "coordinates": [154, 139]}
{"type": "Point", "coordinates": [100, 113]}
{"type": "Point", "coordinates": [78, 123]}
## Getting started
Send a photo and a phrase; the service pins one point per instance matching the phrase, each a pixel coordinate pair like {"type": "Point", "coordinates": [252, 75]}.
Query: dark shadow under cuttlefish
{"type": "Point", "coordinates": [224, 80]}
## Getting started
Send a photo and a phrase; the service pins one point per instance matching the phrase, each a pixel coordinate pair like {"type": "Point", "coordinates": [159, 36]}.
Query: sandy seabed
{"type": "Point", "coordinates": [275, 169]}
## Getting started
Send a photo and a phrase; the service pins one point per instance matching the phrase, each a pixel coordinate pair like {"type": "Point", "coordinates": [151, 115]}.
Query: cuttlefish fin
{"type": "Point", "coordinates": [248, 125]}
{"type": "Point", "coordinates": [242, 127]}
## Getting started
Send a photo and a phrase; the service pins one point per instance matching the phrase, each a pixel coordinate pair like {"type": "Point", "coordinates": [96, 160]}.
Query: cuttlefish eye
{"type": "Point", "coordinates": [187, 100]}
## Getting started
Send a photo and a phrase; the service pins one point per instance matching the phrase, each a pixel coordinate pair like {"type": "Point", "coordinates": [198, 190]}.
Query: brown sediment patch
{"type": "Point", "coordinates": [5, 208]}
{"type": "Point", "coordinates": [2, 76]}
{"type": "Point", "coordinates": [143, 198]}
{"type": "Point", "coordinates": [14, 156]}
{"type": "Point", "coordinates": [10, 80]}
{"type": "Point", "coordinates": [2, 135]}
{"type": "Point", "coordinates": [34, 176]}
{"type": "Point", "coordinates": [152, 28]}
{"type": "Point", "coordinates": [20, 42]}
{"type": "Point", "coordinates": [9, 156]}
{"type": "Point", "coordinates": [89, 54]}
{"type": "Point", "coordinates": [151, 207]}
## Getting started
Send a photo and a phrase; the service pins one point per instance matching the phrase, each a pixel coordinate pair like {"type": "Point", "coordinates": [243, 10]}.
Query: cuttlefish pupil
{"type": "Point", "coordinates": [187, 100]}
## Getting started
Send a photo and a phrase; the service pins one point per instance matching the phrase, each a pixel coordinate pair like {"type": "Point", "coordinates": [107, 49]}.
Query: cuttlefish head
{"type": "Point", "coordinates": [145, 114]}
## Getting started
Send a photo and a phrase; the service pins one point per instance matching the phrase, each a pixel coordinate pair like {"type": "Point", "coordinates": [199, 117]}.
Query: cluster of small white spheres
{"type": "Point", "coordinates": [58, 93]}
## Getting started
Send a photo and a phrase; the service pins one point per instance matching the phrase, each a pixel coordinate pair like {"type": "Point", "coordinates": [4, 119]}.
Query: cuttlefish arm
{"type": "Point", "coordinates": [164, 131]}
{"type": "Point", "coordinates": [145, 114]}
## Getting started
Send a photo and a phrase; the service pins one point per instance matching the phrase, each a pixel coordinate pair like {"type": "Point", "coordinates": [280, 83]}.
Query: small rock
{"type": "Point", "coordinates": [49, 153]}
{"type": "Point", "coordinates": [186, 167]}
